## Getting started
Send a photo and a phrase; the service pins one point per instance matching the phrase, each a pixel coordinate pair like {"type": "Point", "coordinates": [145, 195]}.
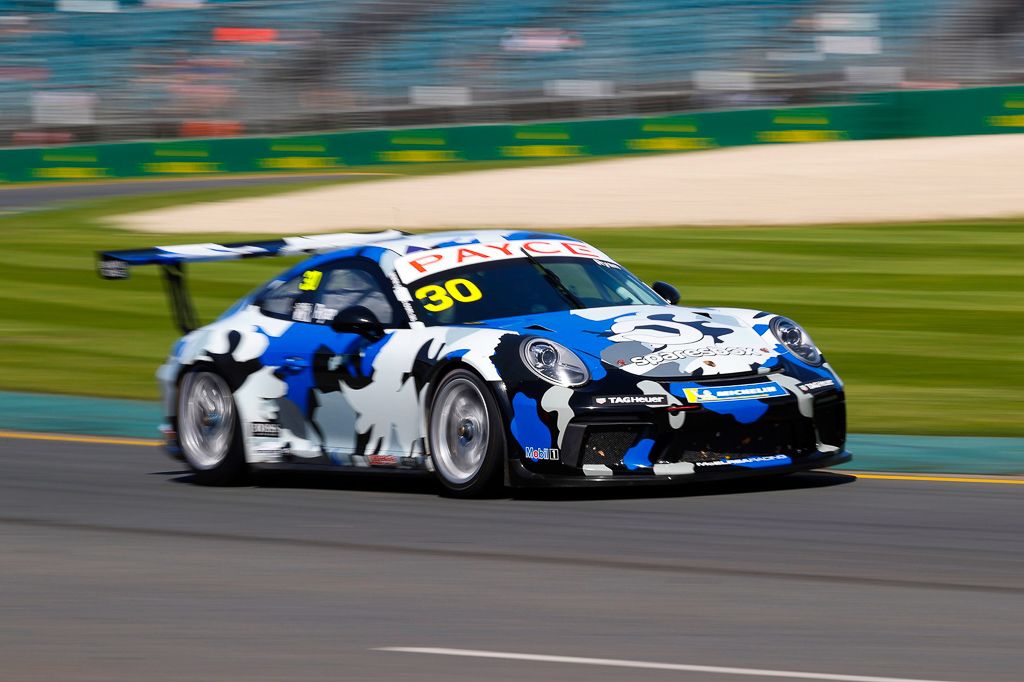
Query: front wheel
{"type": "Point", "coordinates": [208, 430]}
{"type": "Point", "coordinates": [465, 435]}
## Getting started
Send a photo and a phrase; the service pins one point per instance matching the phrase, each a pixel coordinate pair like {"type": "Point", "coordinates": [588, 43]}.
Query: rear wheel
{"type": "Point", "coordinates": [466, 438]}
{"type": "Point", "coordinates": [208, 430]}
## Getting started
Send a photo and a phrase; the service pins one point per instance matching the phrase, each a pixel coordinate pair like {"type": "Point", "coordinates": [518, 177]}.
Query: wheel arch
{"type": "Point", "coordinates": [232, 465]}
{"type": "Point", "coordinates": [498, 392]}
{"type": "Point", "coordinates": [206, 364]}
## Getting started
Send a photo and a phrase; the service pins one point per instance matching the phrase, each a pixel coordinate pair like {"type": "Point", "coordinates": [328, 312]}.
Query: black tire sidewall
{"type": "Point", "coordinates": [491, 473]}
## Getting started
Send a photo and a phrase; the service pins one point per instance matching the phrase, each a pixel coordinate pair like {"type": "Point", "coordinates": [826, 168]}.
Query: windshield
{"type": "Point", "coordinates": [518, 287]}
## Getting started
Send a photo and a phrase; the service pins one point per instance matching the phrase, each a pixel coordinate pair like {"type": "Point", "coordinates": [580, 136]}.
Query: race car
{"type": "Point", "coordinates": [488, 358]}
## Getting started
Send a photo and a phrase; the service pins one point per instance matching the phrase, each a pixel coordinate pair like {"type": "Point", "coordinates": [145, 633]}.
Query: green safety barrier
{"type": "Point", "coordinates": [935, 113]}
{"type": "Point", "coordinates": [872, 116]}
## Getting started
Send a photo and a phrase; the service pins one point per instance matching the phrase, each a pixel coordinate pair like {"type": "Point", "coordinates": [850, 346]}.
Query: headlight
{"type": "Point", "coordinates": [554, 363]}
{"type": "Point", "coordinates": [792, 336]}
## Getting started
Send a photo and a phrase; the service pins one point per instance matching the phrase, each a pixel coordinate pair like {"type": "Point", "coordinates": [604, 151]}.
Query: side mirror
{"type": "Point", "coordinates": [666, 291]}
{"type": "Point", "coordinates": [358, 319]}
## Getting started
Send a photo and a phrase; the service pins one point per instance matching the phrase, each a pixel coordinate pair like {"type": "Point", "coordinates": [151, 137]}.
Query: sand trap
{"type": "Point", "coordinates": [883, 180]}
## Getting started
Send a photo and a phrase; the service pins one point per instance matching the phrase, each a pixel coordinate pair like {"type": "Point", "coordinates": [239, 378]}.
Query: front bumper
{"type": "Point", "coordinates": [660, 445]}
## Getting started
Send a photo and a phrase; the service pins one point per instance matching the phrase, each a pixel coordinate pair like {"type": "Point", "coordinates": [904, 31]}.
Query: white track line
{"type": "Point", "coordinates": [618, 663]}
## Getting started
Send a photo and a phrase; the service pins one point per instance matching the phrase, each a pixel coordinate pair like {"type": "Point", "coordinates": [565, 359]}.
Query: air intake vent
{"type": "Point", "coordinates": [608, 445]}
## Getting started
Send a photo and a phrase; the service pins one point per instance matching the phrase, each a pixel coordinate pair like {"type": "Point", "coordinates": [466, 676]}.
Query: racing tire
{"type": "Point", "coordinates": [465, 436]}
{"type": "Point", "coordinates": [208, 429]}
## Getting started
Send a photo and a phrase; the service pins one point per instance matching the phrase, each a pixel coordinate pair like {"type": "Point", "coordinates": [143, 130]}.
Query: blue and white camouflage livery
{"type": "Point", "coordinates": [671, 393]}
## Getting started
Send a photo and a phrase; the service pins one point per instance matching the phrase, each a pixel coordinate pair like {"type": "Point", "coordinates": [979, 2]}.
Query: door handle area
{"type": "Point", "coordinates": [295, 364]}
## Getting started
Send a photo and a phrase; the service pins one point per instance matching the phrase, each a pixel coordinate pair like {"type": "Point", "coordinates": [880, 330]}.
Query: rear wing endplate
{"type": "Point", "coordinates": [172, 261]}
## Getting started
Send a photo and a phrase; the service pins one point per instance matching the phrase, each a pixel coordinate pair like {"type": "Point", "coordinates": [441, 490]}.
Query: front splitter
{"type": "Point", "coordinates": [520, 476]}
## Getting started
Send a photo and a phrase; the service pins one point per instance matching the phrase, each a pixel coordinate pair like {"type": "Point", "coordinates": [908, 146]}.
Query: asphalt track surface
{"type": "Point", "coordinates": [114, 566]}
{"type": "Point", "coordinates": [30, 197]}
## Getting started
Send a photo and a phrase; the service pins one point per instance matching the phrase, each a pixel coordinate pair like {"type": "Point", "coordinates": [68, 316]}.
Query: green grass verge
{"type": "Point", "coordinates": [923, 321]}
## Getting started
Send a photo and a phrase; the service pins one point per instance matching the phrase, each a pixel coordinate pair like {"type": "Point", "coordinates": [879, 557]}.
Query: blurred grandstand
{"type": "Point", "coordinates": [81, 70]}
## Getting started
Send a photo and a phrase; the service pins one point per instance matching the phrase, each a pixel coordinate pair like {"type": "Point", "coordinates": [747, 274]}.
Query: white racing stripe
{"type": "Point", "coordinates": [617, 663]}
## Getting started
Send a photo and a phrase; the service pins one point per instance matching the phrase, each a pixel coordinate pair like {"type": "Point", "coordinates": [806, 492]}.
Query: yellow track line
{"type": "Point", "coordinates": [152, 442]}
{"type": "Point", "coordinates": [944, 479]}
{"type": "Point", "coordinates": [68, 438]}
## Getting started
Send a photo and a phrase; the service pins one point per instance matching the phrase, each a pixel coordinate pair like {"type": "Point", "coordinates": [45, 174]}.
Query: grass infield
{"type": "Point", "coordinates": [923, 321]}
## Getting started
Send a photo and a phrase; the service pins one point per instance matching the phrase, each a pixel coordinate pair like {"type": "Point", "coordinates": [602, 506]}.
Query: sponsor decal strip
{"type": "Point", "coordinates": [649, 400]}
{"type": "Point", "coordinates": [816, 385]}
{"type": "Point", "coordinates": [421, 263]}
{"type": "Point", "coordinates": [655, 359]}
{"type": "Point", "coordinates": [745, 460]}
{"type": "Point", "coordinates": [542, 454]}
{"type": "Point", "coordinates": [265, 430]}
{"type": "Point", "coordinates": [713, 394]}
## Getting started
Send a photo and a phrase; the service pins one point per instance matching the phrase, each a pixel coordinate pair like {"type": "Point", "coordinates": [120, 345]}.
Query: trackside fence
{"type": "Point", "coordinates": [973, 111]}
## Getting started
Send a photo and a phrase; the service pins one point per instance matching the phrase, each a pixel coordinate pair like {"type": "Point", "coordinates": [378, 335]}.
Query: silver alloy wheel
{"type": "Point", "coordinates": [459, 428]}
{"type": "Point", "coordinates": [206, 419]}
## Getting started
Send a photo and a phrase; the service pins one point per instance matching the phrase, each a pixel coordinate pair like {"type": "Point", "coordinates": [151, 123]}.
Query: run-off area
{"type": "Point", "coordinates": [116, 567]}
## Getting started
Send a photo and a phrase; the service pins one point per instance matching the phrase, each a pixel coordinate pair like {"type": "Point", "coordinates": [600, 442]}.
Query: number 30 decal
{"type": "Point", "coordinates": [441, 297]}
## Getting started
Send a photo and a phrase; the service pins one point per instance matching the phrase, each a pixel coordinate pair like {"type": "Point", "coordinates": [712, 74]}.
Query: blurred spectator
{"type": "Point", "coordinates": [267, 63]}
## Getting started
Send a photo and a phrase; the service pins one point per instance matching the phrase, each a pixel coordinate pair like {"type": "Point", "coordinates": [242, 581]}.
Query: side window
{"type": "Point", "coordinates": [280, 300]}
{"type": "Point", "coordinates": [316, 295]}
{"type": "Point", "coordinates": [356, 284]}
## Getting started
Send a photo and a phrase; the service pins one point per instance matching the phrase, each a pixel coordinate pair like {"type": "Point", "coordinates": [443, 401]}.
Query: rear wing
{"type": "Point", "coordinates": [172, 260]}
